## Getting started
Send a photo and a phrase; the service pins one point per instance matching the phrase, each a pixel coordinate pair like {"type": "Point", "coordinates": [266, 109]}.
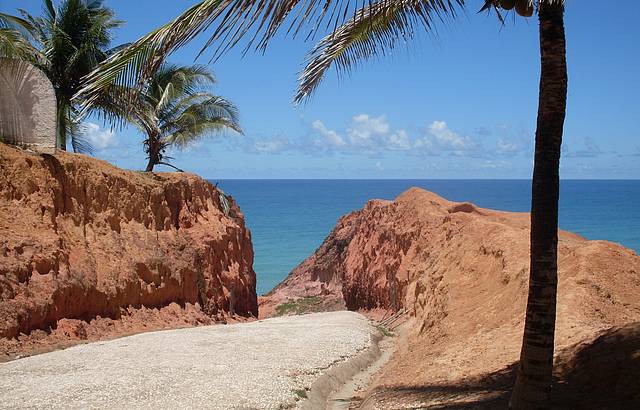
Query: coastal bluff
{"type": "Point", "coordinates": [453, 277]}
{"type": "Point", "coordinates": [88, 251]}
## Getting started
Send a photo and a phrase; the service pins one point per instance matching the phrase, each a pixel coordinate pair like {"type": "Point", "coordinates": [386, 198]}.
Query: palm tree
{"type": "Point", "coordinates": [368, 29]}
{"type": "Point", "coordinates": [175, 109]}
{"type": "Point", "coordinates": [66, 43]}
{"type": "Point", "coordinates": [15, 39]}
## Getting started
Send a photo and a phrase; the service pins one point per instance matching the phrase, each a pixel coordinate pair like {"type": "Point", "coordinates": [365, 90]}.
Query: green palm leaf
{"type": "Point", "coordinates": [175, 108]}
{"type": "Point", "coordinates": [374, 29]}
{"type": "Point", "coordinates": [135, 64]}
{"type": "Point", "coordinates": [234, 20]}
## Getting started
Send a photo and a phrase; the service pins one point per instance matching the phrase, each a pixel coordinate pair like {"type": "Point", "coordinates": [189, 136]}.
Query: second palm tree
{"type": "Point", "coordinates": [175, 108]}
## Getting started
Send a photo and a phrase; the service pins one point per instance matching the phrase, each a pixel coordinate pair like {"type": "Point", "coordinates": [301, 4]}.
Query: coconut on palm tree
{"type": "Point", "coordinates": [175, 108]}
{"type": "Point", "coordinates": [368, 29]}
{"type": "Point", "coordinates": [66, 43]}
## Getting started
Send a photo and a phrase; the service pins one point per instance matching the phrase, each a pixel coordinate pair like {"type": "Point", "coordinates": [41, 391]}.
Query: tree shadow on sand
{"type": "Point", "coordinates": [600, 373]}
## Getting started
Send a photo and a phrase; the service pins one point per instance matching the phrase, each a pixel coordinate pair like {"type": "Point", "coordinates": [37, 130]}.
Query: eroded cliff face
{"type": "Point", "coordinates": [436, 258]}
{"type": "Point", "coordinates": [461, 274]}
{"type": "Point", "coordinates": [81, 239]}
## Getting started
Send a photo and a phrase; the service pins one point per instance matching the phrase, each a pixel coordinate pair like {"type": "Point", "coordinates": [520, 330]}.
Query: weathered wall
{"type": "Point", "coordinates": [80, 238]}
{"type": "Point", "coordinates": [27, 107]}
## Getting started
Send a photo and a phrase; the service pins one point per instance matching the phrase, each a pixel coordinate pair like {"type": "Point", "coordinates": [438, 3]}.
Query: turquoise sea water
{"type": "Point", "coordinates": [289, 219]}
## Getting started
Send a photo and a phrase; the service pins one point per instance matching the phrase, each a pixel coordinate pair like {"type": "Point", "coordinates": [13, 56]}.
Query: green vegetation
{"type": "Point", "coordinates": [384, 331]}
{"type": "Point", "coordinates": [298, 306]}
{"type": "Point", "coordinates": [301, 393]}
{"type": "Point", "coordinates": [172, 106]}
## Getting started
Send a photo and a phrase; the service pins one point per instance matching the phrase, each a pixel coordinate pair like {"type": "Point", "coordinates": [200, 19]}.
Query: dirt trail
{"type": "Point", "coordinates": [265, 364]}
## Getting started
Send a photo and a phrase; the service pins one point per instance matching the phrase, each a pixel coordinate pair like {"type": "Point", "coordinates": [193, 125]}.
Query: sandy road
{"type": "Point", "coordinates": [263, 364]}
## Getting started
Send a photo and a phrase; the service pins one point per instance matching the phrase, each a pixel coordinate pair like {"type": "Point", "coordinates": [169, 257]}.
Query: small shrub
{"type": "Point", "coordinates": [384, 331]}
{"type": "Point", "coordinates": [298, 306]}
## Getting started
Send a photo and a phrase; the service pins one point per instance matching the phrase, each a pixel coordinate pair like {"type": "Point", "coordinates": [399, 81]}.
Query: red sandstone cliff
{"type": "Point", "coordinates": [83, 242]}
{"type": "Point", "coordinates": [461, 274]}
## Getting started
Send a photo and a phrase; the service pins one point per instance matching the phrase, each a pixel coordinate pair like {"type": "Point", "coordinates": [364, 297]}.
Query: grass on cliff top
{"type": "Point", "coordinates": [298, 306]}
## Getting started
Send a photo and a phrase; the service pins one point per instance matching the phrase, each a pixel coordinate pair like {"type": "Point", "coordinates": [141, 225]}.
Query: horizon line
{"type": "Point", "coordinates": [413, 179]}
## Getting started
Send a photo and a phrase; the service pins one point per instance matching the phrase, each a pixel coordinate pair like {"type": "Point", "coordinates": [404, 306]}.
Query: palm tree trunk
{"type": "Point", "coordinates": [150, 165]}
{"type": "Point", "coordinates": [153, 149]}
{"type": "Point", "coordinates": [61, 126]}
{"type": "Point", "coordinates": [533, 383]}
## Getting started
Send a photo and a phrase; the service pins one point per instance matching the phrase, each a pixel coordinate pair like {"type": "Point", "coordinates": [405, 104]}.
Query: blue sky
{"type": "Point", "coordinates": [460, 103]}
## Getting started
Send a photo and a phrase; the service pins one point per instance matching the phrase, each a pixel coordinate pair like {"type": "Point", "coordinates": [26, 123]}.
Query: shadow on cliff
{"type": "Point", "coordinates": [601, 373]}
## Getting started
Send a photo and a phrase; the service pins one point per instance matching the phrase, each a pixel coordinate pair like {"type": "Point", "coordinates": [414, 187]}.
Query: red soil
{"type": "Point", "coordinates": [461, 275]}
{"type": "Point", "coordinates": [88, 250]}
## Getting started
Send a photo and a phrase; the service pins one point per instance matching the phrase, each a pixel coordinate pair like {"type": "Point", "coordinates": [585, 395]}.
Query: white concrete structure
{"type": "Point", "coordinates": [27, 107]}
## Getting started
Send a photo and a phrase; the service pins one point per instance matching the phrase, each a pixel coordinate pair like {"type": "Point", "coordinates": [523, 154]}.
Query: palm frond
{"type": "Point", "coordinates": [16, 36]}
{"type": "Point", "coordinates": [14, 45]}
{"type": "Point", "coordinates": [40, 27]}
{"type": "Point", "coordinates": [185, 80]}
{"type": "Point", "coordinates": [198, 119]}
{"type": "Point", "coordinates": [135, 64]}
{"type": "Point", "coordinates": [219, 107]}
{"type": "Point", "coordinates": [195, 128]}
{"type": "Point", "coordinates": [235, 20]}
{"type": "Point", "coordinates": [24, 27]}
{"type": "Point", "coordinates": [79, 140]}
{"type": "Point", "coordinates": [165, 98]}
{"type": "Point", "coordinates": [49, 10]}
{"type": "Point", "coordinates": [374, 29]}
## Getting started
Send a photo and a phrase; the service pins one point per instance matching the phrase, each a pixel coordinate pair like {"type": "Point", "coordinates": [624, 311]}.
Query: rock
{"type": "Point", "coordinates": [71, 329]}
{"type": "Point", "coordinates": [83, 240]}
{"type": "Point", "coordinates": [461, 274]}
{"type": "Point", "coordinates": [429, 255]}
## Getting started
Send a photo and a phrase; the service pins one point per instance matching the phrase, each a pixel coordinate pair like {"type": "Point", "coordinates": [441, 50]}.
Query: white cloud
{"type": "Point", "coordinates": [365, 134]}
{"type": "Point", "coordinates": [398, 141]}
{"type": "Point", "coordinates": [495, 165]}
{"type": "Point", "coordinates": [268, 146]}
{"type": "Point", "coordinates": [424, 144]}
{"type": "Point", "coordinates": [329, 136]}
{"type": "Point", "coordinates": [98, 137]}
{"type": "Point", "coordinates": [372, 136]}
{"type": "Point", "coordinates": [448, 140]}
{"type": "Point", "coordinates": [379, 166]}
{"type": "Point", "coordinates": [366, 131]}
{"type": "Point", "coordinates": [589, 150]}
{"type": "Point", "coordinates": [504, 147]}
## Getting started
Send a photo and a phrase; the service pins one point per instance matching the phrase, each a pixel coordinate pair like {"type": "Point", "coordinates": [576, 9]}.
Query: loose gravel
{"type": "Point", "coordinates": [267, 364]}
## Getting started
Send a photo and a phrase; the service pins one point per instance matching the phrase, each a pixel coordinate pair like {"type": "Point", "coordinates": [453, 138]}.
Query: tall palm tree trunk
{"type": "Point", "coordinates": [533, 384]}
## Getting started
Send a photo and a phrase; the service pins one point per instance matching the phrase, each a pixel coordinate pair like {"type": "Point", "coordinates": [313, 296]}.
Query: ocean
{"type": "Point", "coordinates": [289, 219]}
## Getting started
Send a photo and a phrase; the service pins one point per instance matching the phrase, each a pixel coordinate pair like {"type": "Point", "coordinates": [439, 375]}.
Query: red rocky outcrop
{"type": "Point", "coordinates": [81, 239]}
{"type": "Point", "coordinates": [461, 275]}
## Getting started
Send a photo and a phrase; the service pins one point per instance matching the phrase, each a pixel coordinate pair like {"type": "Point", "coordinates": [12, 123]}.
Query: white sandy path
{"type": "Point", "coordinates": [249, 365]}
